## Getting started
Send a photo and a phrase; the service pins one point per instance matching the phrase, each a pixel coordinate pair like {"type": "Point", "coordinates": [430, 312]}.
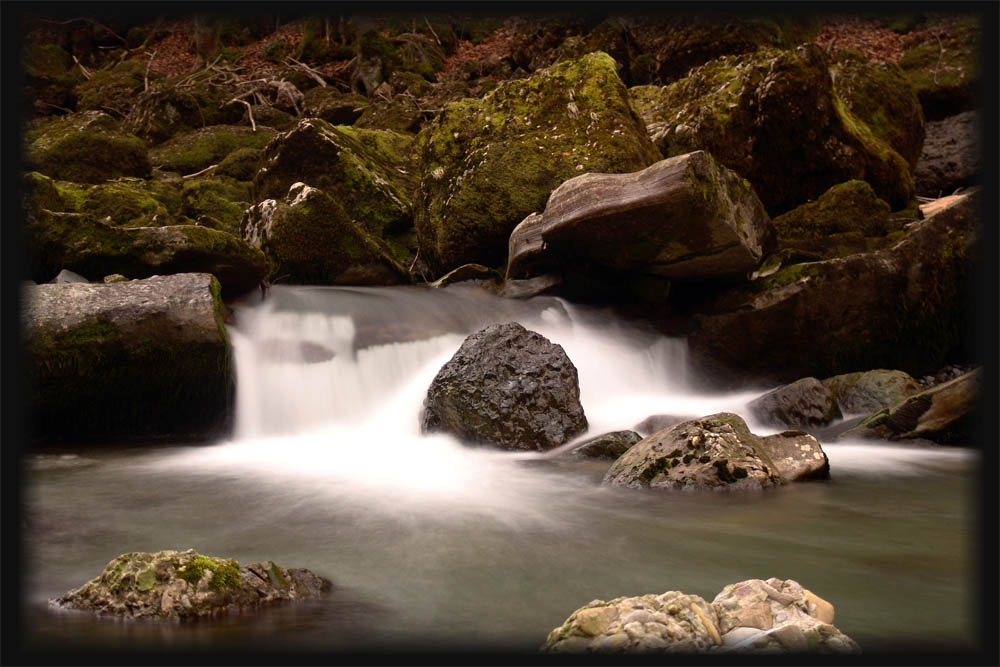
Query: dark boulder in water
{"type": "Point", "coordinates": [803, 403]}
{"type": "Point", "coordinates": [509, 388]}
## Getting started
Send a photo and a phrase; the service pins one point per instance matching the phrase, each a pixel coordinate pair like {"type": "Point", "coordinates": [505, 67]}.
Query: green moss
{"type": "Point", "coordinates": [192, 151]}
{"type": "Point", "coordinates": [86, 149]}
{"type": "Point", "coordinates": [945, 74]}
{"type": "Point", "coordinates": [225, 573]}
{"type": "Point", "coordinates": [846, 207]}
{"type": "Point", "coordinates": [45, 61]}
{"type": "Point", "coordinates": [40, 192]}
{"type": "Point", "coordinates": [115, 88]}
{"type": "Point", "coordinates": [241, 164]}
{"type": "Point", "coordinates": [126, 204]}
{"type": "Point", "coordinates": [220, 199]}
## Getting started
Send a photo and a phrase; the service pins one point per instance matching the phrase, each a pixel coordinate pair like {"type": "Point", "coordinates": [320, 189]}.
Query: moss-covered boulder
{"type": "Point", "coordinates": [846, 207]}
{"type": "Point", "coordinates": [488, 163]}
{"type": "Point", "coordinates": [39, 192]}
{"type": "Point", "coordinates": [309, 238]}
{"type": "Point", "coordinates": [78, 242]}
{"type": "Point", "coordinates": [774, 118]}
{"type": "Point", "coordinates": [945, 74]}
{"type": "Point", "coordinates": [369, 172]}
{"type": "Point", "coordinates": [87, 147]}
{"type": "Point", "coordinates": [904, 306]}
{"type": "Point", "coordinates": [399, 113]}
{"type": "Point", "coordinates": [124, 203]}
{"type": "Point", "coordinates": [879, 95]}
{"type": "Point", "coordinates": [946, 413]}
{"type": "Point", "coordinates": [242, 164]}
{"type": "Point", "coordinates": [127, 359]}
{"type": "Point", "coordinates": [115, 88]}
{"type": "Point", "coordinates": [866, 392]}
{"type": "Point", "coordinates": [717, 452]}
{"type": "Point", "coordinates": [191, 151]}
{"type": "Point", "coordinates": [179, 104]}
{"type": "Point", "coordinates": [805, 403]}
{"type": "Point", "coordinates": [334, 106]}
{"type": "Point", "coordinates": [49, 80]}
{"type": "Point", "coordinates": [508, 388]}
{"type": "Point", "coordinates": [187, 585]}
{"type": "Point", "coordinates": [218, 203]}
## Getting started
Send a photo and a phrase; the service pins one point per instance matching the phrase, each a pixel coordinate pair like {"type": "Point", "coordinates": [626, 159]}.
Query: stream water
{"type": "Point", "coordinates": [433, 544]}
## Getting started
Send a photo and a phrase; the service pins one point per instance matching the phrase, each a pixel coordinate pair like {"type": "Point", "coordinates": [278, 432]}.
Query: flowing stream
{"type": "Point", "coordinates": [434, 544]}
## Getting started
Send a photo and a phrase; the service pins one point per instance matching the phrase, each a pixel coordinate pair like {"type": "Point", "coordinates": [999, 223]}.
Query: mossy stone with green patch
{"type": "Point", "coordinates": [879, 95]}
{"type": "Point", "coordinates": [945, 74]}
{"type": "Point", "coordinates": [39, 192]}
{"type": "Point", "coordinates": [192, 151]}
{"type": "Point", "coordinates": [775, 118]}
{"type": "Point", "coordinates": [179, 104]}
{"type": "Point", "coordinates": [241, 164]}
{"type": "Point", "coordinates": [116, 87]}
{"type": "Point", "coordinates": [401, 113]}
{"type": "Point", "coordinates": [334, 106]}
{"type": "Point", "coordinates": [846, 207]}
{"type": "Point", "coordinates": [86, 147]}
{"type": "Point", "coordinates": [219, 200]}
{"type": "Point", "coordinates": [487, 163]}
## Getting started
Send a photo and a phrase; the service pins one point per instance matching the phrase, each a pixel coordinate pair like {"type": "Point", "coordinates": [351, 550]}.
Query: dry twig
{"type": "Point", "coordinates": [199, 173]}
{"type": "Point", "coordinates": [83, 69]}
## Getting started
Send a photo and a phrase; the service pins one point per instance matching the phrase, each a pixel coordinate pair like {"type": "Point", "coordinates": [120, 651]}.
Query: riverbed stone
{"type": "Point", "coordinates": [797, 455]}
{"type": "Point", "coordinates": [183, 585]}
{"type": "Point", "coordinates": [803, 403]}
{"type": "Point", "coordinates": [608, 446]}
{"type": "Point", "coordinates": [488, 163]}
{"type": "Point", "coordinates": [93, 249]}
{"type": "Point", "coordinates": [506, 387]}
{"type": "Point", "coordinates": [775, 118]}
{"type": "Point", "coordinates": [945, 413]}
{"type": "Point", "coordinates": [309, 238]}
{"type": "Point", "coordinates": [127, 359]}
{"type": "Point", "coordinates": [684, 218]}
{"type": "Point", "coordinates": [753, 616]}
{"type": "Point", "coordinates": [717, 452]}
{"type": "Point", "coordinates": [866, 392]}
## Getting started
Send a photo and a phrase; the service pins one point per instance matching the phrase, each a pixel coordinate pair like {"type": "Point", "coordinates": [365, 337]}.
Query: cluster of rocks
{"type": "Point", "coordinates": [185, 585]}
{"type": "Point", "coordinates": [753, 616]}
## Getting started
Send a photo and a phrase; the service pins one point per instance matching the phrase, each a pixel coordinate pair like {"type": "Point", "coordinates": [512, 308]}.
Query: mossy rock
{"type": "Point", "coordinates": [86, 147]}
{"type": "Point", "coordinates": [216, 202]}
{"type": "Point", "coordinates": [241, 164]}
{"type": "Point", "coordinates": [78, 242]}
{"type": "Point", "coordinates": [115, 88]}
{"type": "Point", "coordinates": [412, 83]}
{"type": "Point", "coordinates": [946, 75]}
{"type": "Point", "coordinates": [192, 151]}
{"type": "Point", "coordinates": [127, 359]}
{"type": "Point", "coordinates": [773, 117]}
{"type": "Point", "coordinates": [334, 106]}
{"type": "Point", "coordinates": [39, 192]}
{"type": "Point", "coordinates": [369, 172]}
{"type": "Point", "coordinates": [399, 113]}
{"type": "Point", "coordinates": [309, 238]}
{"type": "Point", "coordinates": [488, 163]}
{"type": "Point", "coordinates": [879, 95]}
{"type": "Point", "coordinates": [846, 207]}
{"type": "Point", "coordinates": [124, 203]}
{"type": "Point", "coordinates": [45, 61]}
{"type": "Point", "coordinates": [179, 104]}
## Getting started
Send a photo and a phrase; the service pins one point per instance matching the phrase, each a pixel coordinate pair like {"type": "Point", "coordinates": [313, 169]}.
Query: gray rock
{"type": "Point", "coordinates": [717, 452]}
{"type": "Point", "coordinates": [951, 155]}
{"type": "Point", "coordinates": [655, 423]}
{"type": "Point", "coordinates": [139, 358]}
{"type": "Point", "coordinates": [685, 218]}
{"type": "Point", "coordinates": [67, 276]}
{"type": "Point", "coordinates": [944, 413]}
{"type": "Point", "coordinates": [796, 454]}
{"type": "Point", "coordinates": [507, 387]}
{"type": "Point", "coordinates": [801, 404]}
{"type": "Point", "coordinates": [186, 584]}
{"type": "Point", "coordinates": [609, 445]}
{"type": "Point", "coordinates": [870, 391]}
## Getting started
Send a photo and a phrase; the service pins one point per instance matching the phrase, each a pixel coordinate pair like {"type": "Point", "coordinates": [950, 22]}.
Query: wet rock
{"type": "Point", "coordinates": [717, 452]}
{"type": "Point", "coordinates": [685, 218]}
{"type": "Point", "coordinates": [655, 423]}
{"type": "Point", "coordinates": [608, 446]}
{"type": "Point", "coordinates": [803, 403]}
{"type": "Point", "coordinates": [185, 585]}
{"type": "Point", "coordinates": [901, 307]}
{"type": "Point", "coordinates": [506, 387]}
{"type": "Point", "coordinates": [752, 616]}
{"type": "Point", "coordinates": [139, 358]}
{"type": "Point", "coordinates": [775, 118]}
{"type": "Point", "coordinates": [525, 289]}
{"type": "Point", "coordinates": [487, 163]}
{"type": "Point", "coordinates": [846, 207]}
{"type": "Point", "coordinates": [870, 391]}
{"type": "Point", "coordinates": [952, 155]}
{"type": "Point", "coordinates": [309, 238]}
{"type": "Point", "coordinates": [797, 455]}
{"type": "Point", "coordinates": [76, 242]}
{"type": "Point", "coordinates": [945, 413]}
{"type": "Point", "coordinates": [86, 147]}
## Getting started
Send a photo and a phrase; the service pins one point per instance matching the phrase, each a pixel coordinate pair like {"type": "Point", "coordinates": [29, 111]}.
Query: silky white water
{"type": "Point", "coordinates": [432, 543]}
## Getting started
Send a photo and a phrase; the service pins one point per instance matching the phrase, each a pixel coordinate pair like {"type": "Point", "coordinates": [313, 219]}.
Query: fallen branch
{"type": "Point", "coordinates": [432, 31]}
{"type": "Point", "coordinates": [199, 173]}
{"type": "Point", "coordinates": [306, 70]}
{"type": "Point", "coordinates": [54, 106]}
{"type": "Point", "coordinates": [145, 76]}
{"type": "Point", "coordinates": [83, 69]}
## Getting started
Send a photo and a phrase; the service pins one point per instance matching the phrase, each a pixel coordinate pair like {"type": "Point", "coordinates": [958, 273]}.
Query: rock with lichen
{"type": "Point", "coordinates": [866, 392]}
{"type": "Point", "coordinates": [800, 404]}
{"type": "Point", "coordinates": [753, 616]}
{"type": "Point", "coordinates": [775, 118]}
{"type": "Point", "coordinates": [191, 151]}
{"type": "Point", "coordinates": [487, 163]}
{"type": "Point", "coordinates": [85, 147]}
{"type": "Point", "coordinates": [308, 237]}
{"type": "Point", "coordinates": [845, 207]}
{"type": "Point", "coordinates": [183, 585]}
{"type": "Point", "coordinates": [952, 155]}
{"type": "Point", "coordinates": [717, 452]}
